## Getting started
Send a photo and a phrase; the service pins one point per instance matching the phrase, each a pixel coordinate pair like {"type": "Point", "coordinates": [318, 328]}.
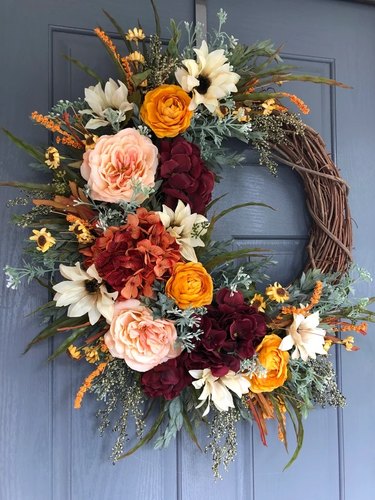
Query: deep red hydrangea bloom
{"type": "Point", "coordinates": [167, 379]}
{"type": "Point", "coordinates": [185, 176]}
{"type": "Point", "coordinates": [232, 330]}
{"type": "Point", "coordinates": [131, 257]}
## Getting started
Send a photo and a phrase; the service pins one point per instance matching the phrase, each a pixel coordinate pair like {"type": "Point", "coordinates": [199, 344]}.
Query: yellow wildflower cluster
{"type": "Point", "coordinates": [80, 228]}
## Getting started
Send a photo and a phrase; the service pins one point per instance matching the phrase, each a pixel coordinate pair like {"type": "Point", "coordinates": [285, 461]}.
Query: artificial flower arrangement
{"type": "Point", "coordinates": [180, 329]}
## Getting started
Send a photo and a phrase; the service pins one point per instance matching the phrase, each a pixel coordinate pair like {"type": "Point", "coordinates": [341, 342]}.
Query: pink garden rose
{"type": "Point", "coordinates": [116, 163]}
{"type": "Point", "coordinates": [142, 341]}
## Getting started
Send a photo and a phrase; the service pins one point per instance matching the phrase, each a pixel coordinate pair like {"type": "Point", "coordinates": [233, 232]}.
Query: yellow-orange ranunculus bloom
{"type": "Point", "coordinates": [274, 361]}
{"type": "Point", "coordinates": [190, 285]}
{"type": "Point", "coordinates": [166, 111]}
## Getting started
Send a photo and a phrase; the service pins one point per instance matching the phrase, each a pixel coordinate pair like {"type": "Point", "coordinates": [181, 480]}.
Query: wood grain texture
{"type": "Point", "coordinates": [329, 31]}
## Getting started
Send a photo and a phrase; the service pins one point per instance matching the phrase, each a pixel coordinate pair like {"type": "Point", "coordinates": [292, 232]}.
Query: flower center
{"type": "Point", "coordinates": [51, 156]}
{"type": "Point", "coordinates": [42, 241]}
{"type": "Point", "coordinates": [281, 292]}
{"type": "Point", "coordinates": [91, 286]}
{"type": "Point", "coordinates": [204, 83]}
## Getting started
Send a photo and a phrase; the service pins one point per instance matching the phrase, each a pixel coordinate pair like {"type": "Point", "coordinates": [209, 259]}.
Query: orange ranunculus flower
{"type": "Point", "coordinates": [166, 111]}
{"type": "Point", "coordinates": [275, 362]}
{"type": "Point", "coordinates": [190, 285]}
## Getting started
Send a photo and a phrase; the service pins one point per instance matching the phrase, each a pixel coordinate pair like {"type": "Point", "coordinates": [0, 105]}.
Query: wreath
{"type": "Point", "coordinates": [180, 329]}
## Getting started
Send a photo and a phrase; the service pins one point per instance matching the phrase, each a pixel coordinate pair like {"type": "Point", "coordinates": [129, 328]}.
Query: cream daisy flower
{"type": "Point", "coordinates": [217, 389]}
{"type": "Point", "coordinates": [305, 336]}
{"type": "Point", "coordinates": [209, 78]}
{"type": "Point", "coordinates": [84, 293]}
{"type": "Point", "coordinates": [104, 103]}
{"type": "Point", "coordinates": [186, 227]}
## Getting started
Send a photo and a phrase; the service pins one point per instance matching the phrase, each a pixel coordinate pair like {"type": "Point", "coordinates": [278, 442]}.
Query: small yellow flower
{"type": "Point", "coordinates": [258, 302]}
{"type": "Point", "coordinates": [52, 158]}
{"type": "Point", "coordinates": [277, 293]}
{"type": "Point", "coordinates": [327, 345]}
{"type": "Point", "coordinates": [271, 105]}
{"type": "Point", "coordinates": [348, 342]}
{"type": "Point", "coordinates": [43, 238]}
{"type": "Point", "coordinates": [136, 57]}
{"type": "Point", "coordinates": [90, 141]}
{"type": "Point", "coordinates": [80, 228]}
{"type": "Point", "coordinates": [135, 35]}
{"type": "Point", "coordinates": [74, 352]}
{"type": "Point", "coordinates": [242, 114]}
{"type": "Point", "coordinates": [91, 354]}
{"type": "Point", "coordinates": [82, 233]}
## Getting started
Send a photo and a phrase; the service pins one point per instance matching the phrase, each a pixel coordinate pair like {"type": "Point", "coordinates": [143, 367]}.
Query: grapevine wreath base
{"type": "Point", "coordinates": [330, 245]}
{"type": "Point", "coordinates": [180, 329]}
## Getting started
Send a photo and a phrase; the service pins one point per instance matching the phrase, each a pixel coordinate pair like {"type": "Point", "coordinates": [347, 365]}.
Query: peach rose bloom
{"type": "Point", "coordinates": [275, 362]}
{"type": "Point", "coordinates": [142, 341]}
{"type": "Point", "coordinates": [118, 161]}
{"type": "Point", "coordinates": [166, 111]}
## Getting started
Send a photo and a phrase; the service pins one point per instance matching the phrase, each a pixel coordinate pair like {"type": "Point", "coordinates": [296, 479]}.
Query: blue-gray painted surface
{"type": "Point", "coordinates": [51, 452]}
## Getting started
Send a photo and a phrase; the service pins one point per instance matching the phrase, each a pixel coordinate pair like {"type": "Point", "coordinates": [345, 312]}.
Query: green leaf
{"type": "Point", "coordinates": [298, 428]}
{"type": "Point", "coordinates": [51, 330]}
{"type": "Point", "coordinates": [136, 98]}
{"type": "Point", "coordinates": [119, 30]}
{"type": "Point", "coordinates": [217, 217]}
{"type": "Point", "coordinates": [31, 150]}
{"type": "Point", "coordinates": [188, 426]}
{"type": "Point", "coordinates": [214, 201]}
{"type": "Point", "coordinates": [48, 305]}
{"type": "Point", "coordinates": [147, 438]}
{"type": "Point", "coordinates": [86, 69]}
{"type": "Point", "coordinates": [172, 49]}
{"type": "Point", "coordinates": [228, 256]}
{"type": "Point", "coordinates": [314, 79]}
{"type": "Point", "coordinates": [29, 186]}
{"type": "Point", "coordinates": [138, 78]}
{"type": "Point", "coordinates": [157, 18]}
{"type": "Point", "coordinates": [78, 332]}
{"type": "Point", "coordinates": [256, 96]}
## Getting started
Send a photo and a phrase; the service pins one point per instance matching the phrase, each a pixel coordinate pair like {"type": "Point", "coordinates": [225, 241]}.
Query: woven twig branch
{"type": "Point", "coordinates": [330, 244]}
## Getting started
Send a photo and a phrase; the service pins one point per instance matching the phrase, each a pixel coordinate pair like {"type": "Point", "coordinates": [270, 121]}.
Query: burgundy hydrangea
{"type": "Point", "coordinates": [167, 379]}
{"type": "Point", "coordinates": [231, 332]}
{"type": "Point", "coordinates": [185, 176]}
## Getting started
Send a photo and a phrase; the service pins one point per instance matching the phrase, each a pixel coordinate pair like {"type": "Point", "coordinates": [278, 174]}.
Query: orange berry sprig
{"type": "Point", "coordinates": [87, 384]}
{"type": "Point", "coordinates": [53, 126]}
{"type": "Point", "coordinates": [315, 298]}
{"type": "Point", "coordinates": [298, 102]}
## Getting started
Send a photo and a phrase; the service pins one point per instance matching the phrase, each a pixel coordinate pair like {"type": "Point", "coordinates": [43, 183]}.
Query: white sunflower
{"type": "Point", "coordinates": [84, 293]}
{"type": "Point", "coordinates": [106, 106]}
{"type": "Point", "coordinates": [305, 336]}
{"type": "Point", "coordinates": [218, 390]}
{"type": "Point", "coordinates": [186, 227]}
{"type": "Point", "coordinates": [209, 78]}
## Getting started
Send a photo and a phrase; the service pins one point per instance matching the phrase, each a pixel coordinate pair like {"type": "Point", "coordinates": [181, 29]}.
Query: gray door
{"type": "Point", "coordinates": [50, 451]}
